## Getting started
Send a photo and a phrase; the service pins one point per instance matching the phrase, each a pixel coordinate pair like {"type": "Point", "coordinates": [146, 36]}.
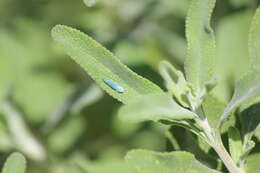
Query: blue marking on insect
{"type": "Point", "coordinates": [114, 86]}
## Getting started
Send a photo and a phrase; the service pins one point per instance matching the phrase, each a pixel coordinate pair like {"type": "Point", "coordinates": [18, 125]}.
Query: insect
{"type": "Point", "coordinates": [114, 85]}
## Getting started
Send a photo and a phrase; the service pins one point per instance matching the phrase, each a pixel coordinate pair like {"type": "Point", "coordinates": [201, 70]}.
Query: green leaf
{"type": "Point", "coordinates": [246, 88]}
{"type": "Point", "coordinates": [154, 107]}
{"type": "Point", "coordinates": [252, 163]}
{"type": "Point", "coordinates": [200, 59]}
{"type": "Point", "coordinates": [235, 144]}
{"type": "Point", "coordinates": [110, 165]}
{"type": "Point", "coordinates": [213, 109]}
{"type": "Point", "coordinates": [175, 82]}
{"type": "Point", "coordinates": [102, 65]}
{"type": "Point", "coordinates": [145, 161]}
{"type": "Point", "coordinates": [254, 40]}
{"type": "Point", "coordinates": [15, 163]}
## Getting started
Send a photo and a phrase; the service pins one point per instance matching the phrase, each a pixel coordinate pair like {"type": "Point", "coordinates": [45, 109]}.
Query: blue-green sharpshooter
{"type": "Point", "coordinates": [114, 85]}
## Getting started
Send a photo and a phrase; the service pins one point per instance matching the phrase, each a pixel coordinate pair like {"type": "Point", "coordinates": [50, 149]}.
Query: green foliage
{"type": "Point", "coordinates": [15, 163]}
{"type": "Point", "coordinates": [54, 113]}
{"type": "Point", "coordinates": [200, 59]}
{"type": "Point", "coordinates": [235, 144]}
{"type": "Point", "coordinates": [156, 107]}
{"type": "Point", "coordinates": [102, 65]}
{"type": "Point", "coordinates": [175, 82]}
{"type": "Point", "coordinates": [252, 163]}
{"type": "Point", "coordinates": [246, 88]}
{"type": "Point", "coordinates": [153, 162]}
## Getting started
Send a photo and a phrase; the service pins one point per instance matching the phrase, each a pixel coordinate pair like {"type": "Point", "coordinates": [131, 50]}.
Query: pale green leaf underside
{"type": "Point", "coordinates": [201, 43]}
{"type": "Point", "coordinates": [154, 107]}
{"type": "Point", "coordinates": [254, 40]}
{"type": "Point", "coordinates": [15, 163]}
{"type": "Point", "coordinates": [145, 161]}
{"type": "Point", "coordinates": [102, 65]}
{"type": "Point", "coordinates": [246, 88]}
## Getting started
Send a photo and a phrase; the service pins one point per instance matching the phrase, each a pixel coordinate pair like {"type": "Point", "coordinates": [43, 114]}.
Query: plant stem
{"type": "Point", "coordinates": [225, 157]}
{"type": "Point", "coordinates": [216, 143]}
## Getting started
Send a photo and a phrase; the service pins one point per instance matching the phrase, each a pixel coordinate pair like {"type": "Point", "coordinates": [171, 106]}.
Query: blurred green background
{"type": "Point", "coordinates": [52, 111]}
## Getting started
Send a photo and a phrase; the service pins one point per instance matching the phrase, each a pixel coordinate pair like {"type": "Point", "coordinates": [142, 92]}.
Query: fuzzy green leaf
{"type": "Point", "coordinates": [145, 161]}
{"type": "Point", "coordinates": [235, 144]}
{"type": "Point", "coordinates": [102, 65]}
{"type": "Point", "coordinates": [154, 107]}
{"type": "Point", "coordinates": [199, 63]}
{"type": "Point", "coordinates": [254, 40]}
{"type": "Point", "coordinates": [246, 88]}
{"type": "Point", "coordinates": [15, 163]}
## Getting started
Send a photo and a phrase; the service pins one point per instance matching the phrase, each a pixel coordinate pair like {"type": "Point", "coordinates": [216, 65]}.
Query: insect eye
{"type": "Point", "coordinates": [114, 86]}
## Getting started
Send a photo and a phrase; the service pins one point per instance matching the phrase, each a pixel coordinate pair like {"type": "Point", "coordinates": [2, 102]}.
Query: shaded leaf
{"type": "Point", "coordinates": [249, 119]}
{"type": "Point", "coordinates": [66, 135]}
{"type": "Point", "coordinates": [145, 161]}
{"type": "Point", "coordinates": [235, 144]}
{"type": "Point", "coordinates": [240, 3]}
{"type": "Point", "coordinates": [229, 37]}
{"type": "Point", "coordinates": [257, 132]}
{"type": "Point", "coordinates": [15, 163]}
{"type": "Point", "coordinates": [154, 107]}
{"type": "Point", "coordinates": [102, 64]}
